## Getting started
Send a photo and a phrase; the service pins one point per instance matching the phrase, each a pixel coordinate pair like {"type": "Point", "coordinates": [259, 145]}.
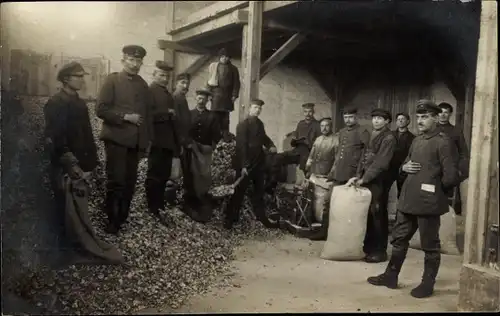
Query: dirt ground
{"type": "Point", "coordinates": [287, 275]}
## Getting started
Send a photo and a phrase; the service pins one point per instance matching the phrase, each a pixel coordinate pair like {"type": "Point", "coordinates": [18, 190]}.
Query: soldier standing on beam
{"type": "Point", "coordinates": [224, 83]}
{"type": "Point", "coordinates": [124, 106]}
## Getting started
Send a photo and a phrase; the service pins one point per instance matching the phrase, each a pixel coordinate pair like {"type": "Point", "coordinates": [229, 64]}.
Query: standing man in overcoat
{"type": "Point", "coordinates": [224, 82]}
{"type": "Point", "coordinates": [303, 138]}
{"type": "Point", "coordinates": [458, 138]}
{"type": "Point", "coordinates": [69, 139]}
{"type": "Point", "coordinates": [404, 139]}
{"type": "Point", "coordinates": [372, 173]}
{"type": "Point", "coordinates": [352, 140]}
{"type": "Point", "coordinates": [432, 170]}
{"type": "Point", "coordinates": [124, 105]}
{"type": "Point", "coordinates": [163, 146]}
{"type": "Point", "coordinates": [249, 162]}
{"type": "Point", "coordinates": [205, 133]}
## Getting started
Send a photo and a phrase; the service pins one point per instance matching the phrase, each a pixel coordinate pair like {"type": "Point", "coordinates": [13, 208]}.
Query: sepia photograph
{"type": "Point", "coordinates": [164, 157]}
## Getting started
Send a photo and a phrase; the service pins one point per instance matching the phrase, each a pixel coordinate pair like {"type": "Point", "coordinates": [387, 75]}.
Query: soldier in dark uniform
{"type": "Point", "coordinates": [304, 136]}
{"type": "Point", "coordinates": [224, 82]}
{"type": "Point", "coordinates": [163, 146]}
{"type": "Point", "coordinates": [352, 140]}
{"type": "Point", "coordinates": [69, 137]}
{"type": "Point", "coordinates": [204, 130]}
{"type": "Point", "coordinates": [432, 170]}
{"type": "Point", "coordinates": [372, 174]}
{"type": "Point", "coordinates": [404, 139]}
{"type": "Point", "coordinates": [458, 138]}
{"type": "Point", "coordinates": [124, 106]}
{"type": "Point", "coordinates": [249, 161]}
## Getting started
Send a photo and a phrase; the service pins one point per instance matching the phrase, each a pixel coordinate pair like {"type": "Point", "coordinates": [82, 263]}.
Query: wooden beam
{"type": "Point", "coordinates": [252, 38]}
{"type": "Point", "coordinates": [169, 54]}
{"type": "Point", "coordinates": [218, 9]}
{"type": "Point", "coordinates": [168, 44]}
{"type": "Point", "coordinates": [198, 64]}
{"type": "Point", "coordinates": [281, 53]}
{"type": "Point", "coordinates": [232, 16]}
{"type": "Point", "coordinates": [483, 127]}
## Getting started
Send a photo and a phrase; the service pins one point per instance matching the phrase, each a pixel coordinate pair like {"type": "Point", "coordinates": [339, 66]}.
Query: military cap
{"type": "Point", "coordinates": [325, 119]}
{"type": "Point", "coordinates": [382, 113]}
{"type": "Point", "coordinates": [69, 69]}
{"type": "Point", "coordinates": [204, 91]}
{"type": "Point", "coordinates": [445, 105]}
{"type": "Point", "coordinates": [134, 51]}
{"type": "Point", "coordinates": [160, 64]}
{"type": "Point", "coordinates": [183, 76]}
{"type": "Point", "coordinates": [427, 106]}
{"type": "Point", "coordinates": [308, 106]}
{"type": "Point", "coordinates": [257, 102]}
{"type": "Point", "coordinates": [223, 52]}
{"type": "Point", "coordinates": [350, 110]}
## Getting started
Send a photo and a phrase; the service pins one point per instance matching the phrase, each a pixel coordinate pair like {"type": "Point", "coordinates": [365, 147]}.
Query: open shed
{"type": "Point", "coordinates": [369, 54]}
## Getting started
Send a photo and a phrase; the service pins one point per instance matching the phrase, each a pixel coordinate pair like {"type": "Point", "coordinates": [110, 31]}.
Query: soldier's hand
{"type": "Point", "coordinates": [244, 171]}
{"type": "Point", "coordinates": [352, 181]}
{"type": "Point", "coordinates": [171, 112]}
{"type": "Point", "coordinates": [273, 150]}
{"type": "Point", "coordinates": [76, 173]}
{"type": "Point", "coordinates": [133, 118]}
{"type": "Point", "coordinates": [411, 167]}
{"type": "Point", "coordinates": [234, 98]}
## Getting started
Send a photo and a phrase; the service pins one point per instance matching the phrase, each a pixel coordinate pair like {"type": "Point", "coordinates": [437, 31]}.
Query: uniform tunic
{"type": "Point", "coordinates": [305, 135]}
{"type": "Point", "coordinates": [458, 138]}
{"type": "Point", "coordinates": [204, 127]}
{"type": "Point", "coordinates": [162, 119]}
{"type": "Point", "coordinates": [308, 130]}
{"type": "Point", "coordinates": [228, 86]}
{"type": "Point", "coordinates": [122, 94]}
{"type": "Point", "coordinates": [322, 155]}
{"type": "Point", "coordinates": [250, 138]}
{"type": "Point", "coordinates": [404, 141]}
{"type": "Point", "coordinates": [424, 193]}
{"type": "Point", "coordinates": [67, 124]}
{"type": "Point", "coordinates": [352, 142]}
{"type": "Point", "coordinates": [182, 119]}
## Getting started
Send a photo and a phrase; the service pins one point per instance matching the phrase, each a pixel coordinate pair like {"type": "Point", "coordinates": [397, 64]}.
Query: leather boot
{"type": "Point", "coordinates": [390, 277]}
{"type": "Point", "coordinates": [112, 208]}
{"type": "Point", "coordinates": [426, 287]}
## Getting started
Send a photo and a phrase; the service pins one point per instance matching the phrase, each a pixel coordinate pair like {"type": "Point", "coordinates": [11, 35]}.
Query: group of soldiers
{"type": "Point", "coordinates": [149, 121]}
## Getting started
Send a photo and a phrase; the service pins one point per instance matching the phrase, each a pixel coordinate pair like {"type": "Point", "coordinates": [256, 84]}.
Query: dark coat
{"type": "Point", "coordinates": [458, 138]}
{"type": "Point", "coordinates": [122, 94]}
{"type": "Point", "coordinates": [204, 127]}
{"type": "Point", "coordinates": [162, 120]}
{"type": "Point", "coordinates": [182, 120]}
{"type": "Point", "coordinates": [403, 144]}
{"type": "Point", "coordinates": [67, 125]}
{"type": "Point", "coordinates": [352, 142]}
{"type": "Point", "coordinates": [229, 87]}
{"type": "Point", "coordinates": [437, 155]}
{"type": "Point", "coordinates": [251, 137]}
{"type": "Point", "coordinates": [374, 165]}
{"type": "Point", "coordinates": [307, 132]}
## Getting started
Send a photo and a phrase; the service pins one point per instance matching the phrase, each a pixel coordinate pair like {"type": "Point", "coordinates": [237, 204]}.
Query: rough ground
{"type": "Point", "coordinates": [287, 275]}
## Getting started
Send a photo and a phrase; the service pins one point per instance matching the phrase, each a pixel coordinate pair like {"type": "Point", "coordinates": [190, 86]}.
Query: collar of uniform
{"type": "Point", "coordinates": [350, 128]}
{"type": "Point", "coordinates": [309, 122]}
{"type": "Point", "coordinates": [159, 85]}
{"type": "Point", "coordinates": [201, 111]}
{"type": "Point", "coordinates": [65, 95]}
{"type": "Point", "coordinates": [127, 75]}
{"type": "Point", "coordinates": [431, 134]}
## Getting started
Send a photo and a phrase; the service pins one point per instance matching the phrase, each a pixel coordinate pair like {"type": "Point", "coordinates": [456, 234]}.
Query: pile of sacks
{"type": "Point", "coordinates": [164, 266]}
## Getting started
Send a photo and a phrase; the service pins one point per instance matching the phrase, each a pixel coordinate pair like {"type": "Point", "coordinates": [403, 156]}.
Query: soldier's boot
{"type": "Point", "coordinates": [389, 278]}
{"type": "Point", "coordinates": [426, 287]}
{"type": "Point", "coordinates": [112, 210]}
{"type": "Point", "coordinates": [153, 197]}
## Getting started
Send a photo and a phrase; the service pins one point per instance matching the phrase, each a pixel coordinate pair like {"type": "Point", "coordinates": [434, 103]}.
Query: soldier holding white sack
{"type": "Point", "coordinates": [432, 168]}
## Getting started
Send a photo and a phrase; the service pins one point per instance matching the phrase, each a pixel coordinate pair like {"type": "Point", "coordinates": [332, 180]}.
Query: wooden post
{"type": "Point", "coordinates": [479, 285]}
{"type": "Point", "coordinates": [250, 57]}
{"type": "Point", "coordinates": [169, 54]}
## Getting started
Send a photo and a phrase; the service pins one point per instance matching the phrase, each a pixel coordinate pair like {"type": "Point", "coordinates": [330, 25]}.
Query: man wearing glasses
{"type": "Point", "coordinates": [124, 106]}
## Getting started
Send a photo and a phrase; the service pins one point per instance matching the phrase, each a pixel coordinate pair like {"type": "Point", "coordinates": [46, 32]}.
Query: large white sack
{"type": "Point", "coordinates": [321, 190]}
{"type": "Point", "coordinates": [447, 235]}
{"type": "Point", "coordinates": [348, 217]}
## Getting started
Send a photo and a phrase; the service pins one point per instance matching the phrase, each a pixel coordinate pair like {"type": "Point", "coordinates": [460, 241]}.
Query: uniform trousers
{"type": "Point", "coordinates": [428, 225]}
{"type": "Point", "coordinates": [377, 228]}
{"type": "Point", "coordinates": [121, 171]}
{"type": "Point", "coordinates": [159, 170]}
